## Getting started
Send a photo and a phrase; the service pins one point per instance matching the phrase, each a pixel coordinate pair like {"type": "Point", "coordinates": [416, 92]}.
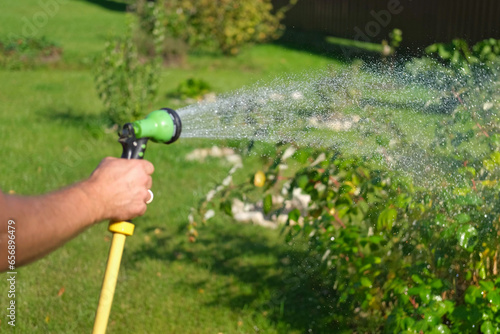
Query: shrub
{"type": "Point", "coordinates": [392, 257]}
{"type": "Point", "coordinates": [221, 25]}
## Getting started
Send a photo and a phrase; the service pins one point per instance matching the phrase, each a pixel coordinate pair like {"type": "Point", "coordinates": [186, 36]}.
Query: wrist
{"type": "Point", "coordinates": [91, 196]}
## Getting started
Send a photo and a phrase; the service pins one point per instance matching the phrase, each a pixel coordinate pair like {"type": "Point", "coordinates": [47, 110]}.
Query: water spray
{"type": "Point", "coordinates": [160, 126]}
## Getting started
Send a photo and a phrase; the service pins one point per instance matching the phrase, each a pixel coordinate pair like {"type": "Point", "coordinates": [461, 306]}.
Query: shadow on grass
{"type": "Point", "coordinates": [95, 124]}
{"type": "Point", "coordinates": [271, 279]}
{"type": "Point", "coordinates": [116, 6]}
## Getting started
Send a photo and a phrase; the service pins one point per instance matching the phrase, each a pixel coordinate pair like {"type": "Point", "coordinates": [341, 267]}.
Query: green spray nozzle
{"type": "Point", "coordinates": [161, 126]}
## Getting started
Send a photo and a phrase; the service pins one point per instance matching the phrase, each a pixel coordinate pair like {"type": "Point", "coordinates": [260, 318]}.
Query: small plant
{"type": "Point", "coordinates": [396, 37]}
{"type": "Point", "coordinates": [20, 53]}
{"type": "Point", "coordinates": [192, 88]}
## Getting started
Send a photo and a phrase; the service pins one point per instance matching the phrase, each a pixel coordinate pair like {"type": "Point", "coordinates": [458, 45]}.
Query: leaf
{"type": "Point", "coordinates": [425, 295]}
{"type": "Point", "coordinates": [462, 218]}
{"type": "Point", "coordinates": [495, 157]}
{"type": "Point", "coordinates": [473, 199]}
{"type": "Point", "coordinates": [467, 237]}
{"type": "Point", "coordinates": [61, 291]}
{"type": "Point", "coordinates": [487, 285]}
{"type": "Point", "coordinates": [387, 218]}
{"type": "Point", "coordinates": [494, 297]}
{"type": "Point", "coordinates": [487, 328]}
{"type": "Point", "coordinates": [366, 282]}
{"type": "Point", "coordinates": [489, 165]}
{"type": "Point", "coordinates": [417, 279]}
{"type": "Point", "coordinates": [294, 215]}
{"type": "Point", "coordinates": [227, 207]}
{"type": "Point", "coordinates": [469, 199]}
{"type": "Point", "coordinates": [345, 189]}
{"type": "Point", "coordinates": [437, 284]}
{"type": "Point", "coordinates": [302, 181]}
{"type": "Point", "coordinates": [471, 294]}
{"type": "Point", "coordinates": [441, 329]}
{"type": "Point", "coordinates": [440, 219]}
{"type": "Point", "coordinates": [375, 239]}
{"type": "Point", "coordinates": [268, 203]}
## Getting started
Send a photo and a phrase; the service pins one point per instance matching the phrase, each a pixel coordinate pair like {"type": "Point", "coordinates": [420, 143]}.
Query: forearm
{"type": "Point", "coordinates": [116, 190]}
{"type": "Point", "coordinates": [43, 223]}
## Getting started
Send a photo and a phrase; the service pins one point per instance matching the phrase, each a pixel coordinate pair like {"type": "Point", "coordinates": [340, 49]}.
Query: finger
{"type": "Point", "coordinates": [149, 182]}
{"type": "Point", "coordinates": [148, 167]}
{"type": "Point", "coordinates": [147, 196]}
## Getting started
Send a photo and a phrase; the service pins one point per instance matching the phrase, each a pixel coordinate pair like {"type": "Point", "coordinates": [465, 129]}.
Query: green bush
{"type": "Point", "coordinates": [215, 26]}
{"type": "Point", "coordinates": [401, 259]}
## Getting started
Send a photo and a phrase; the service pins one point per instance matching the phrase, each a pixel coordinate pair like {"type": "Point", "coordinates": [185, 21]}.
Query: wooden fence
{"type": "Point", "coordinates": [423, 22]}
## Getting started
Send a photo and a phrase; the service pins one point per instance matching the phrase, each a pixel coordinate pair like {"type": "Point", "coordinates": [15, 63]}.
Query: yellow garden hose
{"type": "Point", "coordinates": [120, 232]}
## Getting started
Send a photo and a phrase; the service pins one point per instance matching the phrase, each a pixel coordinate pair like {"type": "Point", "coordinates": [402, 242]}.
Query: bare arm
{"type": "Point", "coordinates": [116, 190]}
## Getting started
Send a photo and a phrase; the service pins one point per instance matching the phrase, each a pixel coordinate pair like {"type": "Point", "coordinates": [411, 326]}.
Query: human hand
{"type": "Point", "coordinates": [120, 188]}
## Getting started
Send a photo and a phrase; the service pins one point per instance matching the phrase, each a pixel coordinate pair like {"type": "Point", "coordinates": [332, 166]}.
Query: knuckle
{"type": "Point", "coordinates": [107, 159]}
{"type": "Point", "coordinates": [148, 167]}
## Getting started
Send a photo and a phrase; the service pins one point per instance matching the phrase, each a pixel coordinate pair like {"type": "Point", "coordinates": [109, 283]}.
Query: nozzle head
{"type": "Point", "coordinates": [161, 126]}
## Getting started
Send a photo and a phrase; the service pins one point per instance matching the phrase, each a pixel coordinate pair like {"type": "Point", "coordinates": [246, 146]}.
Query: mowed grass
{"type": "Point", "coordinates": [232, 280]}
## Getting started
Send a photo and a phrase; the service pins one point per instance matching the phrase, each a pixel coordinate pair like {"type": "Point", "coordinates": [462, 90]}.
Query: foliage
{"type": "Point", "coordinates": [221, 25]}
{"type": "Point", "coordinates": [396, 37]}
{"type": "Point", "coordinates": [395, 256]}
{"type": "Point", "coordinates": [22, 53]}
{"type": "Point", "coordinates": [459, 55]}
{"type": "Point", "coordinates": [457, 72]}
{"type": "Point", "coordinates": [124, 83]}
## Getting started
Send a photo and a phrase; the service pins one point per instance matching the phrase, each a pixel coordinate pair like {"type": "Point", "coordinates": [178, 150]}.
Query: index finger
{"type": "Point", "coordinates": [148, 167]}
